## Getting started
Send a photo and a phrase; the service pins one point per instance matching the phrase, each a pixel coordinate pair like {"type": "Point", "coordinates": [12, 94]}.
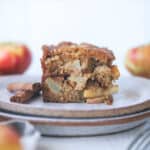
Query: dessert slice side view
{"type": "Point", "coordinates": [78, 73]}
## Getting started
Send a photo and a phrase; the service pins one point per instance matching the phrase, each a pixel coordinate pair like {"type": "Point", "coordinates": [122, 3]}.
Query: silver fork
{"type": "Point", "coordinates": [142, 141]}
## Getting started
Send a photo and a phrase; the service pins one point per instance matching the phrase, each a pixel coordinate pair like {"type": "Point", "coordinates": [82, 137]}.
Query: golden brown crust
{"type": "Point", "coordinates": [83, 49]}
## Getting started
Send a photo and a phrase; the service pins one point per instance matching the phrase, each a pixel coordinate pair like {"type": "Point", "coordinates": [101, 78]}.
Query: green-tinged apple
{"type": "Point", "coordinates": [15, 58]}
{"type": "Point", "coordinates": [9, 139]}
{"type": "Point", "coordinates": [138, 61]}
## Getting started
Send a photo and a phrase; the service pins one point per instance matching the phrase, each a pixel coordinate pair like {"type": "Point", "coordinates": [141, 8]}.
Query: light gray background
{"type": "Point", "coordinates": [116, 24]}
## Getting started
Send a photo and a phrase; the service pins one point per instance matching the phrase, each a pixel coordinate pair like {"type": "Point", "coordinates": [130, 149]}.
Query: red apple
{"type": "Point", "coordinates": [9, 139]}
{"type": "Point", "coordinates": [138, 61]}
{"type": "Point", "coordinates": [15, 58]}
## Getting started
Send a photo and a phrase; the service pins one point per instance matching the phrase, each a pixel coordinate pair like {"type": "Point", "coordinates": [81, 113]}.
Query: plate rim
{"type": "Point", "coordinates": [78, 122]}
{"type": "Point", "coordinates": [76, 114]}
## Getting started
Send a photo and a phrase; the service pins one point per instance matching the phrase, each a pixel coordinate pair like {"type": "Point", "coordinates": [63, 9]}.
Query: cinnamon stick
{"type": "Point", "coordinates": [24, 91]}
{"type": "Point", "coordinates": [18, 86]}
{"type": "Point", "coordinates": [22, 96]}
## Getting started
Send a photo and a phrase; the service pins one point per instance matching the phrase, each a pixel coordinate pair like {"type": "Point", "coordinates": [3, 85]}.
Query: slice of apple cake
{"type": "Point", "coordinates": [78, 73]}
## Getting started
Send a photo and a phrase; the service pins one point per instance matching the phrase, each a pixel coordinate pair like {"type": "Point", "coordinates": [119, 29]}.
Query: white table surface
{"type": "Point", "coordinates": [118, 141]}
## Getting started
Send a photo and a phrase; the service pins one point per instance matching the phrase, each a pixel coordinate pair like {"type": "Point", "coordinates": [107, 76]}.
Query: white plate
{"type": "Point", "coordinates": [81, 127]}
{"type": "Point", "coordinates": [133, 96]}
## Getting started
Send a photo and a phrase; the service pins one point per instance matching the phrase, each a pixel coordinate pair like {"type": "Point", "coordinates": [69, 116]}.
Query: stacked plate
{"type": "Point", "coordinates": [131, 108]}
